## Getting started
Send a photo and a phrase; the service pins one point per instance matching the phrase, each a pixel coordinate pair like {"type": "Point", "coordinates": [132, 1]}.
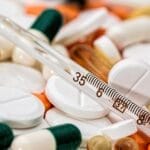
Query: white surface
{"type": "Point", "coordinates": [42, 139]}
{"type": "Point", "coordinates": [18, 76]}
{"type": "Point", "coordinates": [130, 31]}
{"type": "Point", "coordinates": [132, 79]}
{"type": "Point", "coordinates": [70, 100]}
{"type": "Point", "coordinates": [19, 109]}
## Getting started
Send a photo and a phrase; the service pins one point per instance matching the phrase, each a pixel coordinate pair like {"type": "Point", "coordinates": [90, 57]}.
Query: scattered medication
{"type": "Point", "coordinates": [71, 101]}
{"type": "Point", "coordinates": [19, 109]}
{"type": "Point", "coordinates": [126, 144]}
{"type": "Point", "coordinates": [62, 137]}
{"type": "Point", "coordinates": [99, 143]}
{"type": "Point", "coordinates": [6, 136]}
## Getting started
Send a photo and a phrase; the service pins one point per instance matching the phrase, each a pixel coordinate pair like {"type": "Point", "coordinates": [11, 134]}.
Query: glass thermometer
{"type": "Point", "coordinates": [74, 73]}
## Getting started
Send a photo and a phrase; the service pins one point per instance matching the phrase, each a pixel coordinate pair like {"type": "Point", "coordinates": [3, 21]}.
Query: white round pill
{"type": "Point", "coordinates": [69, 99]}
{"type": "Point", "coordinates": [22, 77]}
{"type": "Point", "coordinates": [19, 109]}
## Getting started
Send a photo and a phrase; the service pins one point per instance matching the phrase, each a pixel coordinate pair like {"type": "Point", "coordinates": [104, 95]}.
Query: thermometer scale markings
{"type": "Point", "coordinates": [121, 103]}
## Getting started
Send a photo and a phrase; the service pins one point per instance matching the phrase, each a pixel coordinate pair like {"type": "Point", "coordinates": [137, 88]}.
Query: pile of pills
{"type": "Point", "coordinates": [40, 110]}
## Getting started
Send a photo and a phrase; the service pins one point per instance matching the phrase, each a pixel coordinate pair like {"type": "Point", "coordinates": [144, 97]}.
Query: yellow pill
{"type": "Point", "coordinates": [144, 11]}
{"type": "Point", "coordinates": [126, 144]}
{"type": "Point", "coordinates": [99, 143]}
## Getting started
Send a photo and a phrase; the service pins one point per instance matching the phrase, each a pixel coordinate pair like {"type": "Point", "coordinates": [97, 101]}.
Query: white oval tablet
{"type": "Point", "coordinates": [132, 79]}
{"type": "Point", "coordinates": [87, 128]}
{"type": "Point", "coordinates": [130, 31]}
{"type": "Point", "coordinates": [70, 100]}
{"type": "Point", "coordinates": [18, 76]}
{"type": "Point", "coordinates": [19, 109]}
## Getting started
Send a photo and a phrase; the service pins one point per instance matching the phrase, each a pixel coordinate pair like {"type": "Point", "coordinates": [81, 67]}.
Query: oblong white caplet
{"type": "Point", "coordinates": [19, 109]}
{"type": "Point", "coordinates": [22, 77]}
{"type": "Point", "coordinates": [21, 57]}
{"type": "Point", "coordinates": [130, 31]}
{"type": "Point", "coordinates": [120, 130]}
{"type": "Point", "coordinates": [42, 139]}
{"type": "Point", "coordinates": [105, 45]}
{"type": "Point", "coordinates": [85, 23]}
{"type": "Point", "coordinates": [6, 49]}
{"type": "Point", "coordinates": [70, 100]}
{"type": "Point", "coordinates": [132, 79]}
{"type": "Point", "coordinates": [87, 128]}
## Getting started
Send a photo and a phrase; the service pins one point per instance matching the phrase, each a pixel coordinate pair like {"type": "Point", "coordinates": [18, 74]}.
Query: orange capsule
{"type": "Point", "coordinates": [44, 100]}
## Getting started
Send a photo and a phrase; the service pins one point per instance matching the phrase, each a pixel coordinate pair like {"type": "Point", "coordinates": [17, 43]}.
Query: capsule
{"type": "Point", "coordinates": [45, 27]}
{"type": "Point", "coordinates": [62, 137]}
{"type": "Point", "coordinates": [6, 136]}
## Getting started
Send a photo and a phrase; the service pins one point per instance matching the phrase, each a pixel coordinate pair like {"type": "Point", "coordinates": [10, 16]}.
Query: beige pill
{"type": "Point", "coordinates": [126, 144]}
{"type": "Point", "coordinates": [99, 143]}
